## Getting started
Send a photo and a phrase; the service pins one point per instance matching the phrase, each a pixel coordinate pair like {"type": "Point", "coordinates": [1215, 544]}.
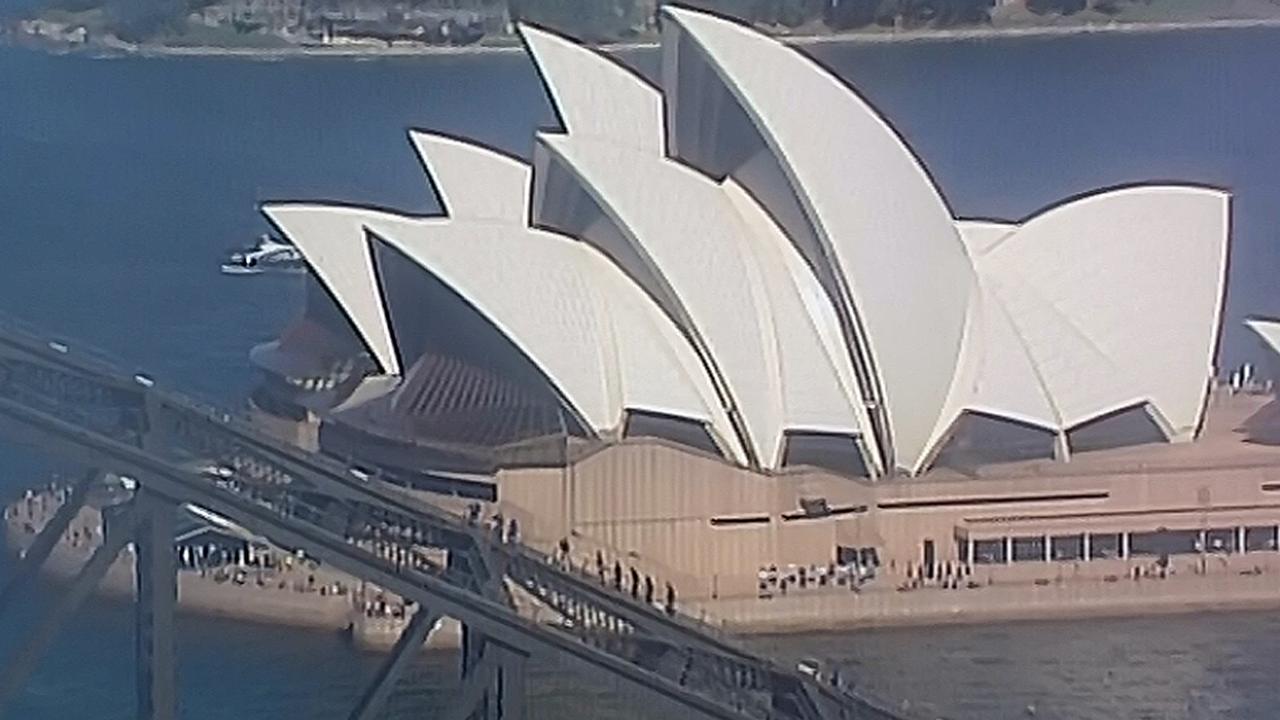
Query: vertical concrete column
{"type": "Point", "coordinates": [511, 686]}
{"type": "Point", "coordinates": [1124, 545]}
{"type": "Point", "coordinates": [1086, 549]}
{"type": "Point", "coordinates": [1240, 540]}
{"type": "Point", "coordinates": [1061, 448]}
{"type": "Point", "coordinates": [157, 594]}
{"type": "Point", "coordinates": [1048, 548]}
{"type": "Point", "coordinates": [968, 551]}
{"type": "Point", "coordinates": [1008, 549]}
{"type": "Point", "coordinates": [1204, 541]}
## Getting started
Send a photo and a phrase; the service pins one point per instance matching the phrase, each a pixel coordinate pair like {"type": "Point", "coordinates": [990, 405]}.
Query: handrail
{"type": "Point", "coordinates": [327, 472]}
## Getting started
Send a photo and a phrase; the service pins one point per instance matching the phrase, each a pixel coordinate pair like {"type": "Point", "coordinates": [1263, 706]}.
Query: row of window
{"type": "Point", "coordinates": [1160, 543]}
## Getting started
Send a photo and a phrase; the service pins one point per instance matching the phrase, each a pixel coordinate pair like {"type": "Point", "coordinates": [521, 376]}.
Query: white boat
{"type": "Point", "coordinates": [270, 255]}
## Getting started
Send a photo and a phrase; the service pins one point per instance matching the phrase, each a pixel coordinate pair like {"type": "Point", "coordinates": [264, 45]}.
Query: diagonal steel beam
{"type": "Point", "coordinates": [407, 646]}
{"type": "Point", "coordinates": [476, 684]}
{"type": "Point", "coordinates": [20, 666]}
{"type": "Point", "coordinates": [156, 583]}
{"type": "Point", "coordinates": [511, 684]}
{"type": "Point", "coordinates": [182, 485]}
{"type": "Point", "coordinates": [46, 541]}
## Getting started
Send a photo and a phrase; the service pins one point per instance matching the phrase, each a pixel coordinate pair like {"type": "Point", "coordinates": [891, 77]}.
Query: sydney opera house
{"type": "Point", "coordinates": [731, 323]}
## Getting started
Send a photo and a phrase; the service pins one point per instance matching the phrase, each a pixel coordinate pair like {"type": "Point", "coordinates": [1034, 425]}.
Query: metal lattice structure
{"type": "Point", "coordinates": [77, 406]}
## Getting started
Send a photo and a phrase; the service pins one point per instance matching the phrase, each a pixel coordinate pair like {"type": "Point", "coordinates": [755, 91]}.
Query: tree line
{"type": "Point", "coordinates": [606, 20]}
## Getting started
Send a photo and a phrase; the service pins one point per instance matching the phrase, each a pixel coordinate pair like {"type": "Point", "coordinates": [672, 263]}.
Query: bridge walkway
{"type": "Point", "coordinates": [78, 404]}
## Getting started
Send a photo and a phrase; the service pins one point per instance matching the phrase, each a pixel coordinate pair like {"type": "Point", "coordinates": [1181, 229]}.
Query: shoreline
{"type": "Point", "coordinates": [360, 52]}
{"type": "Point", "coordinates": [1053, 592]}
{"type": "Point", "coordinates": [274, 596]}
{"type": "Point", "coordinates": [1000, 606]}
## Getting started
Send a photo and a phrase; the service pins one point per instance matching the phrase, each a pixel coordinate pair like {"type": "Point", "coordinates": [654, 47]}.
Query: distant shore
{"type": "Point", "coordinates": [854, 37]}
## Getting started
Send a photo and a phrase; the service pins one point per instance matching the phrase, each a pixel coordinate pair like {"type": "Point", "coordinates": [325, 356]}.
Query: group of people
{"type": "Point", "coordinates": [629, 579]}
{"type": "Point", "coordinates": [379, 606]}
{"type": "Point", "coordinates": [625, 580]}
{"type": "Point", "coordinates": [772, 581]}
{"type": "Point", "coordinates": [948, 575]}
{"type": "Point", "coordinates": [37, 507]}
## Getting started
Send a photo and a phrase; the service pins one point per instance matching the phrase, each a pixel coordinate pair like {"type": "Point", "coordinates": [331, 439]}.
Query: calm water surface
{"type": "Point", "coordinates": [123, 181]}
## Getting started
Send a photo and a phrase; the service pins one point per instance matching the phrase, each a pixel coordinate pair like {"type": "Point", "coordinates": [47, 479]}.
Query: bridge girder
{"type": "Point", "coordinates": [297, 499]}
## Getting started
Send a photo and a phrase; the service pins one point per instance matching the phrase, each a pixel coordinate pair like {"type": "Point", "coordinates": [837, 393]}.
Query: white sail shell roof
{"type": "Point", "coordinates": [1117, 297]}
{"type": "Point", "coordinates": [1097, 305]}
{"type": "Point", "coordinates": [599, 340]}
{"type": "Point", "coordinates": [1268, 330]}
{"type": "Point", "coordinates": [334, 247]}
{"type": "Point", "coordinates": [803, 275]}
{"type": "Point", "coordinates": [595, 97]}
{"type": "Point", "coordinates": [470, 182]}
{"type": "Point", "coordinates": [885, 228]}
{"type": "Point", "coordinates": [740, 286]}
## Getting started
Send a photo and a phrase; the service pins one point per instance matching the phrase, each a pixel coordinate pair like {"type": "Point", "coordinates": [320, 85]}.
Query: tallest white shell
{"type": "Point", "coordinates": [733, 281]}
{"type": "Point", "coordinates": [880, 224]}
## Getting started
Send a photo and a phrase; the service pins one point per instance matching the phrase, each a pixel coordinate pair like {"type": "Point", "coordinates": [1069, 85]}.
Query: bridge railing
{"type": "Point", "coordinates": [200, 431]}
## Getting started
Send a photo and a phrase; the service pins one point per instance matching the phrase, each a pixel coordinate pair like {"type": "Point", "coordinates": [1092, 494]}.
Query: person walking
{"type": "Point", "coordinates": [563, 549]}
{"type": "Point", "coordinates": [671, 600]}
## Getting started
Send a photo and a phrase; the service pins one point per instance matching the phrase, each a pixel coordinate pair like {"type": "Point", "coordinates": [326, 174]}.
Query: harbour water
{"type": "Point", "coordinates": [123, 181]}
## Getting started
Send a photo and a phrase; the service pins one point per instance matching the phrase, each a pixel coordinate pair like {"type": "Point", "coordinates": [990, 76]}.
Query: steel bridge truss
{"type": "Point", "coordinates": [75, 405]}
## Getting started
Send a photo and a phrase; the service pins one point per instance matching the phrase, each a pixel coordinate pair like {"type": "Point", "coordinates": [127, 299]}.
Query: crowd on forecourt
{"type": "Point", "coordinates": [243, 565]}
{"type": "Point", "coordinates": [641, 586]}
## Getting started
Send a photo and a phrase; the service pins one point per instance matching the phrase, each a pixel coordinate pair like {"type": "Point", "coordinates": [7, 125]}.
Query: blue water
{"type": "Point", "coordinates": [123, 181]}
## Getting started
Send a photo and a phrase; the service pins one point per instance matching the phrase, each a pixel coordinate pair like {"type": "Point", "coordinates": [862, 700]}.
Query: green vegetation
{"type": "Point", "coordinates": [603, 19]}
{"type": "Point", "coordinates": [281, 23]}
{"type": "Point", "coordinates": [130, 20]}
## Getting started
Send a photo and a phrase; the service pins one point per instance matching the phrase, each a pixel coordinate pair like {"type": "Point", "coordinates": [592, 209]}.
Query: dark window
{"type": "Point", "coordinates": [1258, 539]}
{"type": "Point", "coordinates": [1221, 540]}
{"type": "Point", "coordinates": [1165, 542]}
{"type": "Point", "coordinates": [1067, 547]}
{"type": "Point", "coordinates": [1130, 426]}
{"type": "Point", "coordinates": [740, 520]}
{"type": "Point", "coordinates": [683, 431]}
{"type": "Point", "coordinates": [988, 552]}
{"type": "Point", "coordinates": [838, 453]}
{"type": "Point", "coordinates": [1104, 546]}
{"type": "Point", "coordinates": [1028, 549]}
{"type": "Point", "coordinates": [987, 500]}
{"type": "Point", "coordinates": [977, 439]}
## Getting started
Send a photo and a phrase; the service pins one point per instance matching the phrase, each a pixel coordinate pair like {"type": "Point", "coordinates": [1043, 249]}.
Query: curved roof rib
{"type": "Point", "coordinates": [979, 236]}
{"type": "Point", "coordinates": [1116, 298]}
{"type": "Point", "coordinates": [334, 247]}
{"type": "Point", "coordinates": [597, 338]}
{"type": "Point", "coordinates": [878, 231]}
{"type": "Point", "coordinates": [743, 293]}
